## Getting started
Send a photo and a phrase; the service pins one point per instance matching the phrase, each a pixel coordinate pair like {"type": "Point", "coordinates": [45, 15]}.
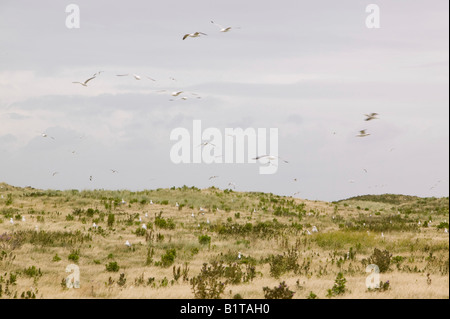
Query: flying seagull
{"type": "Point", "coordinates": [85, 82]}
{"type": "Point", "coordinates": [270, 158]}
{"type": "Point", "coordinates": [371, 116]}
{"type": "Point", "coordinates": [222, 29]}
{"type": "Point", "coordinates": [362, 133]}
{"type": "Point", "coordinates": [212, 177]}
{"type": "Point", "coordinates": [55, 173]}
{"type": "Point", "coordinates": [45, 135]}
{"type": "Point", "coordinates": [176, 93]}
{"type": "Point", "coordinates": [193, 35]}
{"type": "Point", "coordinates": [114, 171]}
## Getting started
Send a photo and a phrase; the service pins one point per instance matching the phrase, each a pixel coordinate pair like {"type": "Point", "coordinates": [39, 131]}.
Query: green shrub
{"type": "Point", "coordinates": [74, 255]}
{"type": "Point", "coordinates": [280, 292]}
{"type": "Point", "coordinates": [207, 284]}
{"type": "Point", "coordinates": [204, 239]}
{"type": "Point", "coordinates": [168, 258]}
{"type": "Point", "coordinates": [381, 258]}
{"type": "Point", "coordinates": [112, 267]}
{"type": "Point", "coordinates": [338, 287]}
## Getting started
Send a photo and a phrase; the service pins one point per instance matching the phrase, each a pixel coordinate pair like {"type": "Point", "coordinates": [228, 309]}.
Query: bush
{"type": "Point", "coordinates": [207, 284]}
{"type": "Point", "coordinates": [280, 292]}
{"type": "Point", "coordinates": [112, 267]}
{"type": "Point", "coordinates": [204, 239]}
{"type": "Point", "coordinates": [74, 255]}
{"type": "Point", "coordinates": [168, 258]}
{"type": "Point", "coordinates": [111, 220]}
{"type": "Point", "coordinates": [381, 258]}
{"type": "Point", "coordinates": [312, 296]}
{"type": "Point", "coordinates": [338, 287]}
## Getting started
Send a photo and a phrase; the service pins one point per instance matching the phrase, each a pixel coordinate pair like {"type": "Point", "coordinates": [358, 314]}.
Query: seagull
{"type": "Point", "coordinates": [36, 228]}
{"type": "Point", "coordinates": [55, 173]}
{"type": "Point", "coordinates": [192, 215]}
{"type": "Point", "coordinates": [137, 77]}
{"type": "Point", "coordinates": [362, 133]}
{"type": "Point", "coordinates": [382, 235]}
{"type": "Point", "coordinates": [365, 170]}
{"type": "Point", "coordinates": [45, 135]}
{"type": "Point", "coordinates": [151, 202]}
{"type": "Point", "coordinates": [201, 209]}
{"type": "Point", "coordinates": [176, 93]}
{"type": "Point", "coordinates": [371, 116]}
{"type": "Point", "coordinates": [239, 255]}
{"type": "Point", "coordinates": [114, 171]}
{"type": "Point", "coordinates": [207, 221]}
{"type": "Point", "coordinates": [446, 231]}
{"type": "Point", "coordinates": [314, 229]}
{"type": "Point", "coordinates": [351, 181]}
{"type": "Point", "coordinates": [222, 29]}
{"type": "Point", "coordinates": [193, 35]}
{"type": "Point", "coordinates": [127, 243]}
{"type": "Point", "coordinates": [308, 232]}
{"type": "Point", "coordinates": [296, 193]}
{"type": "Point", "coordinates": [23, 218]}
{"type": "Point", "coordinates": [11, 221]}
{"type": "Point", "coordinates": [90, 178]}
{"type": "Point", "coordinates": [212, 177]}
{"type": "Point", "coordinates": [123, 202]}
{"type": "Point", "coordinates": [94, 225]}
{"type": "Point", "coordinates": [146, 215]}
{"type": "Point", "coordinates": [140, 219]}
{"type": "Point", "coordinates": [177, 205]}
{"type": "Point", "coordinates": [85, 82]}
{"type": "Point", "coordinates": [144, 226]}
{"type": "Point", "coordinates": [270, 158]}
{"type": "Point", "coordinates": [206, 143]}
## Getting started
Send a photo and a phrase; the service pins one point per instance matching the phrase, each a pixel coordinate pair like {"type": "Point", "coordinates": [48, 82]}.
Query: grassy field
{"type": "Point", "coordinates": [187, 228]}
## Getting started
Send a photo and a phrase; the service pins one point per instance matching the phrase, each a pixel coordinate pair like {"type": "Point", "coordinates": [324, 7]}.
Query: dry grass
{"type": "Point", "coordinates": [425, 250]}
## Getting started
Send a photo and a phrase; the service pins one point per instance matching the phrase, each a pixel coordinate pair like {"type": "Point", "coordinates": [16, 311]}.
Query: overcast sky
{"type": "Point", "coordinates": [308, 68]}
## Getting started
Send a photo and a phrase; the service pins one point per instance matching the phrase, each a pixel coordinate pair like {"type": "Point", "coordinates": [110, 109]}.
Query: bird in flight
{"type": "Point", "coordinates": [222, 29]}
{"type": "Point", "coordinates": [206, 143]}
{"type": "Point", "coordinates": [90, 178]}
{"type": "Point", "coordinates": [212, 177]}
{"type": "Point", "coordinates": [137, 77]}
{"type": "Point", "coordinates": [371, 116]}
{"type": "Point", "coordinates": [45, 135]}
{"type": "Point", "coordinates": [85, 82]}
{"type": "Point", "coordinates": [270, 158]}
{"type": "Point", "coordinates": [55, 173]}
{"type": "Point", "coordinates": [362, 133]}
{"type": "Point", "coordinates": [176, 93]}
{"type": "Point", "coordinates": [193, 35]}
{"type": "Point", "coordinates": [114, 171]}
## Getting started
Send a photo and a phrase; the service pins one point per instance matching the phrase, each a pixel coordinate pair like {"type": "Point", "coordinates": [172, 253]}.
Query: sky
{"type": "Point", "coordinates": [311, 69]}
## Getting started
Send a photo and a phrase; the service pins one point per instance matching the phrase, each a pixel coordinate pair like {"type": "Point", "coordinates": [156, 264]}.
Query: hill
{"type": "Point", "coordinates": [241, 241]}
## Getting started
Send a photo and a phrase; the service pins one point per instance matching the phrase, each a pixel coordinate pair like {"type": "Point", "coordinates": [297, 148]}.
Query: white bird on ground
{"type": "Point", "coordinates": [201, 209]}
{"type": "Point", "coordinates": [23, 219]}
{"type": "Point", "coordinates": [123, 202]}
{"type": "Point", "coordinates": [140, 219]}
{"type": "Point", "coordinates": [314, 229]}
{"type": "Point", "coordinates": [382, 235]}
{"type": "Point", "coordinates": [446, 231]}
{"type": "Point", "coordinates": [36, 228]}
{"type": "Point", "coordinates": [127, 243]}
{"type": "Point", "coordinates": [94, 225]}
{"type": "Point", "coordinates": [151, 202]}
{"type": "Point", "coordinates": [207, 221]}
{"type": "Point", "coordinates": [144, 226]}
{"type": "Point", "coordinates": [192, 215]}
{"type": "Point", "coordinates": [85, 82]}
{"type": "Point", "coordinates": [362, 133]}
{"type": "Point", "coordinates": [193, 35]}
{"type": "Point", "coordinates": [239, 255]}
{"type": "Point", "coordinates": [11, 221]}
{"type": "Point", "coordinates": [222, 29]}
{"type": "Point", "coordinates": [177, 205]}
{"type": "Point", "coordinates": [146, 215]}
{"type": "Point", "coordinates": [308, 232]}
